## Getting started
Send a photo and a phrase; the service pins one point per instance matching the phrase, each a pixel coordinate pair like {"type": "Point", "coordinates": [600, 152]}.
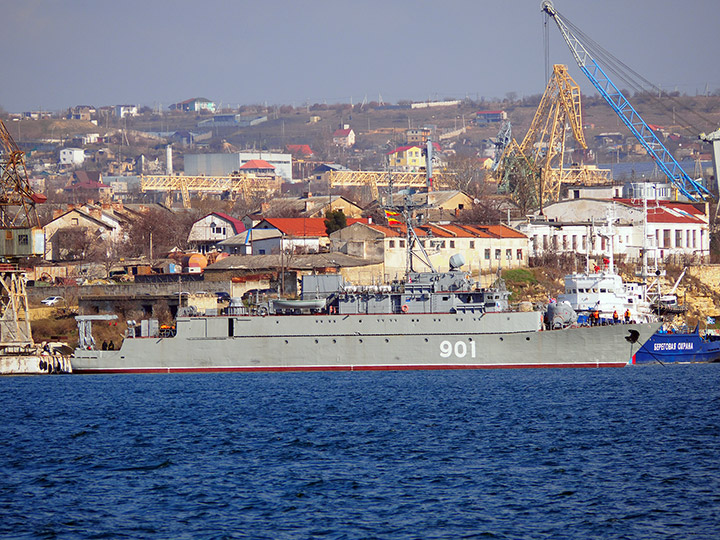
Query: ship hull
{"type": "Point", "coordinates": [368, 342]}
{"type": "Point", "coordinates": [678, 348]}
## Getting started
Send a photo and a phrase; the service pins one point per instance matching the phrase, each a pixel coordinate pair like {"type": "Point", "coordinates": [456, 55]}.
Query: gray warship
{"type": "Point", "coordinates": [429, 320]}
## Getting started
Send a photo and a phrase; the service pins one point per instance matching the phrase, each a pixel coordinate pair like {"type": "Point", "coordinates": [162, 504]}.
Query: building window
{"type": "Point", "coordinates": [694, 244]}
{"type": "Point", "coordinates": [391, 244]}
{"type": "Point", "coordinates": [678, 239]}
{"type": "Point", "coordinates": [487, 254]}
{"type": "Point", "coordinates": [452, 244]}
{"type": "Point", "coordinates": [519, 255]}
{"type": "Point", "coordinates": [74, 221]}
{"type": "Point", "coordinates": [666, 238]}
{"type": "Point", "coordinates": [508, 254]}
{"type": "Point", "coordinates": [472, 244]}
{"type": "Point", "coordinates": [498, 254]}
{"type": "Point", "coordinates": [574, 242]}
{"type": "Point", "coordinates": [23, 239]}
{"type": "Point", "coordinates": [442, 244]}
{"type": "Point", "coordinates": [401, 243]}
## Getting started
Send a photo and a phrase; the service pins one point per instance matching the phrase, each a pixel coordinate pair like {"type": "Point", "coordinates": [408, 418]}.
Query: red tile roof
{"type": "Point", "coordinates": [302, 149]}
{"type": "Point", "coordinates": [305, 227]}
{"type": "Point", "coordinates": [237, 225]}
{"type": "Point", "coordinates": [342, 132]}
{"type": "Point", "coordinates": [693, 208]}
{"type": "Point", "coordinates": [453, 230]}
{"type": "Point", "coordinates": [257, 164]}
{"type": "Point", "coordinates": [668, 211]}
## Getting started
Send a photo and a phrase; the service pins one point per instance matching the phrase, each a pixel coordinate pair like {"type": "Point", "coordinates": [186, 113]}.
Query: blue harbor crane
{"type": "Point", "coordinates": [579, 46]}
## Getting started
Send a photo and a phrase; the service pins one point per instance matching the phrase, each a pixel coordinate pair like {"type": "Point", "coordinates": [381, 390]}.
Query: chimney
{"type": "Point", "coordinates": [168, 159]}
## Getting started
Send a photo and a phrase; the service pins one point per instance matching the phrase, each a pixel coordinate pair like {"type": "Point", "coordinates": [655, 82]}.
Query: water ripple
{"type": "Point", "coordinates": [628, 453]}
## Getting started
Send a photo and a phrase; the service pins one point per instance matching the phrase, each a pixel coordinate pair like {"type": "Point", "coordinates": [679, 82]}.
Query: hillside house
{"type": "Point", "coordinates": [409, 158]}
{"type": "Point", "coordinates": [212, 228]}
{"type": "Point", "coordinates": [307, 206]}
{"type": "Point", "coordinates": [88, 186]}
{"type": "Point", "coordinates": [121, 111]}
{"type": "Point", "coordinates": [194, 105]}
{"type": "Point", "coordinates": [70, 235]}
{"type": "Point", "coordinates": [345, 137]}
{"type": "Point", "coordinates": [72, 156]}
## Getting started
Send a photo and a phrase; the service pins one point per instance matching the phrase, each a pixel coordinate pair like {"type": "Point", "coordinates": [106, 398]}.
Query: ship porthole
{"type": "Point", "coordinates": [316, 341]}
{"type": "Point", "coordinates": [426, 340]}
{"type": "Point", "coordinates": [360, 340]}
{"type": "Point", "coordinates": [334, 340]}
{"type": "Point", "coordinates": [527, 339]}
{"type": "Point", "coordinates": [387, 340]}
{"type": "Point", "coordinates": [501, 339]}
{"type": "Point", "coordinates": [286, 342]}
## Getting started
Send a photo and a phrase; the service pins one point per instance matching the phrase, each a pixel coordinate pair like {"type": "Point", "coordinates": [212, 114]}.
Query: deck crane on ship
{"type": "Point", "coordinates": [580, 47]}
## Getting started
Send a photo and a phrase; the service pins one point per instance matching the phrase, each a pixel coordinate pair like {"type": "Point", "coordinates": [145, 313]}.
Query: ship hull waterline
{"type": "Point", "coordinates": [368, 342]}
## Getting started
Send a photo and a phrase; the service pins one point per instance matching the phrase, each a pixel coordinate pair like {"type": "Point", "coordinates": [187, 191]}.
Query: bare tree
{"type": "Point", "coordinates": [73, 243]}
{"type": "Point", "coordinates": [467, 170]}
{"type": "Point", "coordinates": [167, 230]}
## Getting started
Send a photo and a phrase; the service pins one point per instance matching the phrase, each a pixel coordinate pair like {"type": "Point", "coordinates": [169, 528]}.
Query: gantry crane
{"type": "Point", "coordinates": [534, 170]}
{"type": "Point", "coordinates": [17, 199]}
{"type": "Point", "coordinates": [21, 237]}
{"type": "Point", "coordinates": [246, 185]}
{"type": "Point", "coordinates": [579, 47]}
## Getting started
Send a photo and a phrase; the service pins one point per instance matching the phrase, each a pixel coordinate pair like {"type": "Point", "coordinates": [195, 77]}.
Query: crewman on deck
{"type": "Point", "coordinates": [627, 316]}
{"type": "Point", "coordinates": [596, 316]}
{"type": "Point", "coordinates": [616, 317]}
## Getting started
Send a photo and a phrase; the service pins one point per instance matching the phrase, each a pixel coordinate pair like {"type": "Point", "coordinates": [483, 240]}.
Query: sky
{"type": "Point", "coordinates": [61, 53]}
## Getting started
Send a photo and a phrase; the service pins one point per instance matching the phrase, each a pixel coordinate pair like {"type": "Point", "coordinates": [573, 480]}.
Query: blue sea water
{"type": "Point", "coordinates": [574, 453]}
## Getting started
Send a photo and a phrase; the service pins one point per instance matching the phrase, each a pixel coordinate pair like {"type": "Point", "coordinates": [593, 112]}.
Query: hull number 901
{"type": "Point", "coordinates": [459, 349]}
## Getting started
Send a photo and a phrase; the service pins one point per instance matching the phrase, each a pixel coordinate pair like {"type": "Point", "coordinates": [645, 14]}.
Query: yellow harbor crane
{"type": "Point", "coordinates": [534, 170]}
{"type": "Point", "coordinates": [376, 179]}
{"type": "Point", "coordinates": [245, 185]}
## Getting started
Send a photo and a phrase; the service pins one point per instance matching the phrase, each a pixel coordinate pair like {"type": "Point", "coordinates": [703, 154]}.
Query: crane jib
{"type": "Point", "coordinates": [627, 113]}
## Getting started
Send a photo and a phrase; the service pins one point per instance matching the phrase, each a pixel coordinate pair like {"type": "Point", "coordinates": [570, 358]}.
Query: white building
{"type": "Point", "coordinates": [226, 164]}
{"type": "Point", "coordinates": [207, 231]}
{"type": "Point", "coordinates": [72, 156]}
{"type": "Point", "coordinates": [121, 111]}
{"type": "Point", "coordinates": [674, 230]}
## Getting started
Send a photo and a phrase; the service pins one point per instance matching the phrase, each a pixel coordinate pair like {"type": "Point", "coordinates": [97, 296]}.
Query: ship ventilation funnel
{"type": "Point", "coordinates": [456, 261]}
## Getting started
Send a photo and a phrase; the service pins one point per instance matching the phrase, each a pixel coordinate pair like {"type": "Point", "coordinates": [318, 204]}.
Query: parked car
{"type": "Point", "coordinates": [52, 300]}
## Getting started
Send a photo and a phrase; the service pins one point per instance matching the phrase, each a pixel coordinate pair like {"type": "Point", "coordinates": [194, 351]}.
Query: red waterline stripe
{"type": "Point", "coordinates": [87, 371]}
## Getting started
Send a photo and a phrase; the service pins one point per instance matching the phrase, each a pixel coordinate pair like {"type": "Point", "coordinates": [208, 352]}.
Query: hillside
{"type": "Point", "coordinates": [378, 130]}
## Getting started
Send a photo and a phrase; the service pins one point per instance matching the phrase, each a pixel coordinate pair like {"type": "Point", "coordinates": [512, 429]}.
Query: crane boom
{"type": "Point", "coordinates": [627, 113]}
